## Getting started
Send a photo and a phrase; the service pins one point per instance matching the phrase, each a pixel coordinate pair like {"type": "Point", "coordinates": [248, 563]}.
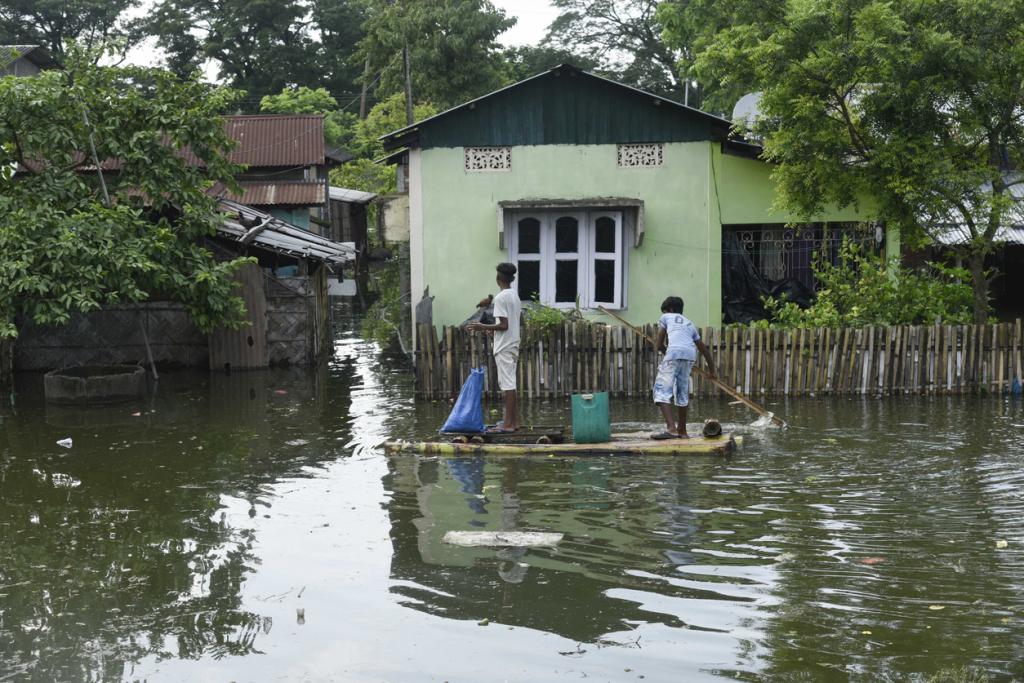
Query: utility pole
{"type": "Point", "coordinates": [408, 85]}
{"type": "Point", "coordinates": [366, 86]}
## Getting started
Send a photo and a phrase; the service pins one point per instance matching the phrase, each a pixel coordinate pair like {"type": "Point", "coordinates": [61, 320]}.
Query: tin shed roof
{"type": "Point", "coordinates": [279, 193]}
{"type": "Point", "coordinates": [278, 140]}
{"type": "Point", "coordinates": [37, 54]}
{"type": "Point", "coordinates": [248, 225]}
{"type": "Point", "coordinates": [344, 194]}
{"type": "Point", "coordinates": [564, 105]}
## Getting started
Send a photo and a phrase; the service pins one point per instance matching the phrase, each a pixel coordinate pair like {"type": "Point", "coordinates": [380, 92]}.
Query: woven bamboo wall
{"type": "Point", "coordinates": [876, 361]}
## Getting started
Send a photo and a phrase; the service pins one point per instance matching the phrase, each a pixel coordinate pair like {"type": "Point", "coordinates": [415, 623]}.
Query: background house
{"type": "Point", "coordinates": [277, 218]}
{"type": "Point", "coordinates": [602, 194]}
{"type": "Point", "coordinates": [286, 164]}
{"type": "Point", "coordinates": [24, 60]}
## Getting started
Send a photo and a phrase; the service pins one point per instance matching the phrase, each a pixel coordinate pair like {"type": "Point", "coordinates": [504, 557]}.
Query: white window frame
{"type": "Point", "coordinates": [586, 255]}
{"type": "Point", "coordinates": [595, 255]}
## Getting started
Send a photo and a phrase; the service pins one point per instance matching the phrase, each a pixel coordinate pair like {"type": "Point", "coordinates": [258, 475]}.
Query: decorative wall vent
{"type": "Point", "coordinates": [485, 159]}
{"type": "Point", "coordinates": [641, 155]}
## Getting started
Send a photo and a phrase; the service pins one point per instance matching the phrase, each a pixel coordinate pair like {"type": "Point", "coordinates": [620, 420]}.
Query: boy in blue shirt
{"type": "Point", "coordinates": [680, 340]}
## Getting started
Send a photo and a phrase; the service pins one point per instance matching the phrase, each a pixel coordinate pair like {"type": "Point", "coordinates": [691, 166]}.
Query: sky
{"type": "Point", "coordinates": [533, 19]}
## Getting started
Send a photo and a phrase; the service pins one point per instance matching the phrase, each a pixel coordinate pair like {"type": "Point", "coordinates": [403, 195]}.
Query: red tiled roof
{"type": "Point", "coordinates": [279, 193]}
{"type": "Point", "coordinates": [279, 140]}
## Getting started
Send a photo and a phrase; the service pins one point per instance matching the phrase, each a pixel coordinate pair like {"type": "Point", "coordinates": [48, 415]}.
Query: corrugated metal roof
{"type": "Point", "coordinates": [951, 235]}
{"type": "Point", "coordinates": [280, 140]}
{"type": "Point", "coordinates": [1012, 230]}
{"type": "Point", "coordinates": [564, 105]}
{"type": "Point", "coordinates": [277, 193]}
{"type": "Point", "coordinates": [343, 194]}
{"type": "Point", "coordinates": [37, 54]}
{"type": "Point", "coordinates": [265, 231]}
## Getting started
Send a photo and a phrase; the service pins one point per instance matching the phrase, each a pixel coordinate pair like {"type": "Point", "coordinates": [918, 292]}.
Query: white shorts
{"type": "Point", "coordinates": [506, 361]}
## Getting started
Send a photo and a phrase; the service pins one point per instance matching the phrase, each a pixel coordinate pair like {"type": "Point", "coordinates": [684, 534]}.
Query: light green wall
{"type": "Point", "coordinates": [748, 194]}
{"type": "Point", "coordinates": [460, 229]}
{"type": "Point", "coordinates": [683, 200]}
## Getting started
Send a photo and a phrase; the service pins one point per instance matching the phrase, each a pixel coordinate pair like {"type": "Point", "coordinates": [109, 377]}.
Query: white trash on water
{"type": "Point", "coordinates": [66, 443]}
{"type": "Point", "coordinates": [519, 539]}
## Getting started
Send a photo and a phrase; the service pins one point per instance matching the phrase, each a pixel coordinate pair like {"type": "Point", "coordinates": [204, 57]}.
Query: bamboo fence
{"type": "Point", "coordinates": [875, 361]}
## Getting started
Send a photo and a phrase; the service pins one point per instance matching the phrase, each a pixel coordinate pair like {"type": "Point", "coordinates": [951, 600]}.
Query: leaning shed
{"type": "Point", "coordinates": [285, 293]}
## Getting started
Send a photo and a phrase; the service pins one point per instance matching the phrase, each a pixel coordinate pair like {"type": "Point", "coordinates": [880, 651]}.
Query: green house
{"type": "Point", "coordinates": [601, 194]}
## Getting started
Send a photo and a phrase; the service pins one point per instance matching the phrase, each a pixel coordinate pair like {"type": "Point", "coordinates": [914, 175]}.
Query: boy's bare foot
{"type": "Point", "coordinates": [682, 435]}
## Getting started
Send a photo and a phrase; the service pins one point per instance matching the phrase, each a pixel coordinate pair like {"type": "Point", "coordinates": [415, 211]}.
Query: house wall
{"type": "Point", "coordinates": [296, 332]}
{"type": "Point", "coordinates": [747, 194]}
{"type": "Point", "coordinates": [299, 216]}
{"type": "Point", "coordinates": [459, 248]}
{"type": "Point", "coordinates": [453, 215]}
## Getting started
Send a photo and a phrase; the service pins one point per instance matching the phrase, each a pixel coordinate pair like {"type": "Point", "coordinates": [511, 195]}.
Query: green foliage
{"type": "Point", "coordinates": [64, 248]}
{"type": "Point", "coordinates": [302, 100]}
{"type": "Point", "coordinates": [54, 23]}
{"type": "Point", "coordinates": [385, 117]}
{"type": "Point", "coordinates": [362, 173]}
{"type": "Point", "coordinates": [863, 289]}
{"type": "Point", "coordinates": [452, 47]}
{"type": "Point", "coordinates": [691, 27]}
{"type": "Point", "coordinates": [540, 319]}
{"type": "Point", "coordinates": [529, 60]}
{"type": "Point", "coordinates": [384, 316]}
{"type": "Point", "coordinates": [914, 104]}
{"type": "Point", "coordinates": [260, 46]}
{"type": "Point", "coordinates": [622, 39]}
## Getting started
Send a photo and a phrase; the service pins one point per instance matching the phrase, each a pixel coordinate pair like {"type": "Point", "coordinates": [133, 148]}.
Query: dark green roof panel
{"type": "Point", "coordinates": [563, 106]}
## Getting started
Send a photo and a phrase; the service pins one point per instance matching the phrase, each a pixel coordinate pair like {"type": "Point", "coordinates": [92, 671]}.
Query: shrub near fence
{"type": "Point", "coordinates": [877, 361]}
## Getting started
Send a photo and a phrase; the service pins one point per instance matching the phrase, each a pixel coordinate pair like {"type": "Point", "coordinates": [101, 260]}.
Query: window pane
{"type": "Point", "coordinates": [567, 235]}
{"type": "Point", "coordinates": [605, 228]}
{"type": "Point", "coordinates": [529, 236]}
{"type": "Point", "coordinates": [604, 280]}
{"type": "Point", "coordinates": [528, 279]}
{"type": "Point", "coordinates": [565, 281]}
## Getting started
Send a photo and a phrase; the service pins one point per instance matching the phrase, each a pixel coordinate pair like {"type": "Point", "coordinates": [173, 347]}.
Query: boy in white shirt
{"type": "Point", "coordinates": [507, 311]}
{"type": "Point", "coordinates": [680, 340]}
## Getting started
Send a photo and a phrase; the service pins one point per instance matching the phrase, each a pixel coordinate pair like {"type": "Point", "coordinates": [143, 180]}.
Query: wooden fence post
{"type": "Point", "coordinates": [6, 363]}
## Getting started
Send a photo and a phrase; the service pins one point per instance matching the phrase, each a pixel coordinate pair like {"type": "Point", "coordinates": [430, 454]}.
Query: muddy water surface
{"type": "Point", "coordinates": [246, 528]}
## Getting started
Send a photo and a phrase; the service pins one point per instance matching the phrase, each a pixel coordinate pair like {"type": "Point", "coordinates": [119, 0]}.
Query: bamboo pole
{"type": "Point", "coordinates": [711, 378]}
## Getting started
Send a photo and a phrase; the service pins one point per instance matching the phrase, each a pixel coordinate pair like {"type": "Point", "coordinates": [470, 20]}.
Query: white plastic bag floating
{"type": "Point", "coordinates": [66, 443]}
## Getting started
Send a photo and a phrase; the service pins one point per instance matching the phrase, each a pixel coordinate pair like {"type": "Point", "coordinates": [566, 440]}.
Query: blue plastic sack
{"type": "Point", "coordinates": [468, 413]}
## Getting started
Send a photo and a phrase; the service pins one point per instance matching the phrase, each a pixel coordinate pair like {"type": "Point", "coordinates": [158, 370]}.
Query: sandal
{"type": "Point", "coordinates": [664, 436]}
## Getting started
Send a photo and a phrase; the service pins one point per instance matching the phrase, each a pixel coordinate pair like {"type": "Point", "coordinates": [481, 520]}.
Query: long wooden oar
{"type": "Point", "coordinates": [706, 375]}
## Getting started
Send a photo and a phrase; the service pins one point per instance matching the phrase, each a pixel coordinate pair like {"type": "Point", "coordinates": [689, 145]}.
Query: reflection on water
{"type": "Point", "coordinates": [246, 528]}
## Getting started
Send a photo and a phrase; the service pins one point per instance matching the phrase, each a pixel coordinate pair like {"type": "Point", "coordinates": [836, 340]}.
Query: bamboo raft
{"type": "Point", "coordinates": [620, 444]}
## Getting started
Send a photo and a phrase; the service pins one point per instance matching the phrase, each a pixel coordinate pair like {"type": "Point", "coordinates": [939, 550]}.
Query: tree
{"type": "Point", "coordinates": [364, 142]}
{"type": "Point", "coordinates": [302, 100]}
{"type": "Point", "coordinates": [53, 23]}
{"type": "Point", "coordinates": [688, 26]}
{"type": "Point", "coordinates": [452, 47]}
{"type": "Point", "coordinates": [260, 46]}
{"type": "Point", "coordinates": [340, 26]}
{"type": "Point", "coordinates": [529, 60]}
{"type": "Point", "coordinates": [624, 37]}
{"type": "Point", "coordinates": [919, 106]}
{"type": "Point", "coordinates": [66, 247]}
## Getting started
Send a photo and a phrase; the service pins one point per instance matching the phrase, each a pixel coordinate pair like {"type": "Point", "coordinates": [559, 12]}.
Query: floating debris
{"type": "Point", "coordinates": [515, 539]}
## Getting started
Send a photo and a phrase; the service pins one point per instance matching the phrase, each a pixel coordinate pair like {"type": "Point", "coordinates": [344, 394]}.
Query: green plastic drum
{"type": "Point", "coordinates": [590, 421]}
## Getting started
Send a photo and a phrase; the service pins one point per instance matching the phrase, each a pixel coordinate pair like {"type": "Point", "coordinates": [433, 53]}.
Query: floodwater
{"type": "Point", "coordinates": [246, 528]}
